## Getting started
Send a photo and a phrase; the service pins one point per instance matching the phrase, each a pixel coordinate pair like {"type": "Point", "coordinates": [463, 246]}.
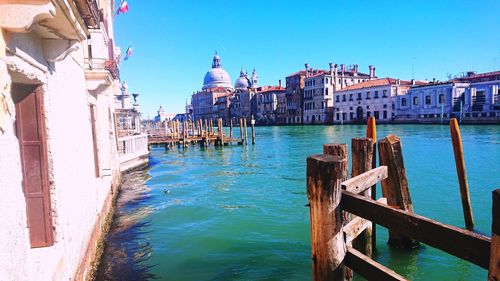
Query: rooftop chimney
{"type": "Point", "coordinates": [356, 69]}
{"type": "Point", "coordinates": [398, 82]}
{"type": "Point", "coordinates": [342, 69]}
{"type": "Point", "coordinates": [279, 83]}
{"type": "Point", "coordinates": [372, 71]}
{"type": "Point", "coordinates": [413, 82]}
{"type": "Point", "coordinates": [307, 69]}
{"type": "Point", "coordinates": [433, 80]}
{"type": "Point", "coordinates": [335, 69]}
{"type": "Point", "coordinates": [331, 68]}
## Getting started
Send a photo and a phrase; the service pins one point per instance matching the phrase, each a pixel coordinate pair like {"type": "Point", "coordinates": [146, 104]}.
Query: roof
{"type": "Point", "coordinates": [378, 83]}
{"type": "Point", "coordinates": [272, 89]}
{"type": "Point", "coordinates": [481, 77]}
{"type": "Point", "coordinates": [302, 72]}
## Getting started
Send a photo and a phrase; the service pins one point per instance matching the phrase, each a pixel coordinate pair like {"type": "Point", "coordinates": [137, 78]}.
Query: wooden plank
{"type": "Point", "coordinates": [494, 269]}
{"type": "Point", "coordinates": [371, 133]}
{"type": "Point", "coordinates": [357, 225]}
{"type": "Point", "coordinates": [461, 173]}
{"type": "Point", "coordinates": [368, 268]}
{"type": "Point", "coordinates": [395, 188]}
{"type": "Point", "coordinates": [360, 183]}
{"type": "Point", "coordinates": [324, 174]}
{"type": "Point", "coordinates": [459, 242]}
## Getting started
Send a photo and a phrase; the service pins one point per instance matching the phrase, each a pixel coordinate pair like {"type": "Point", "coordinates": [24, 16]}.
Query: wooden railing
{"type": "Point", "coordinates": [342, 214]}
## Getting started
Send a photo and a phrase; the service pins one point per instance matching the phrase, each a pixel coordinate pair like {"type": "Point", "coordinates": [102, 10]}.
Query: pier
{"type": "Point", "coordinates": [182, 134]}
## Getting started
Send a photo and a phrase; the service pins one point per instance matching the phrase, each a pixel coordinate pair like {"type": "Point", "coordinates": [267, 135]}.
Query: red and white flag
{"type": "Point", "coordinates": [123, 7]}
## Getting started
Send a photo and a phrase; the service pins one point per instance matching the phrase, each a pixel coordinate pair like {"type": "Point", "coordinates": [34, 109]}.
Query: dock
{"type": "Point", "coordinates": [172, 133]}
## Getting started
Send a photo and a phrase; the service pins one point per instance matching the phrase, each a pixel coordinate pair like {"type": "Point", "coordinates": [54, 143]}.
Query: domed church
{"type": "Point", "coordinates": [217, 77]}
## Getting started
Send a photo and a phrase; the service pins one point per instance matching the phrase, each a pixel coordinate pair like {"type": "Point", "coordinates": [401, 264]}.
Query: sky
{"type": "Point", "coordinates": [174, 41]}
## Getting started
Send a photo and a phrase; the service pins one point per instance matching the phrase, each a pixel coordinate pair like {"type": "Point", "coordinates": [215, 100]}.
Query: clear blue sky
{"type": "Point", "coordinates": [174, 41]}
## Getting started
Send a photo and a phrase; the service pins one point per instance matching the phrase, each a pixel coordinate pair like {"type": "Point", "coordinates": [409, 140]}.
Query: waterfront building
{"type": "Point", "coordinates": [60, 165]}
{"type": "Point", "coordinates": [307, 101]}
{"type": "Point", "coordinates": [471, 97]}
{"type": "Point", "coordinates": [281, 107]}
{"type": "Point", "coordinates": [376, 98]}
{"type": "Point", "coordinates": [267, 103]}
{"type": "Point", "coordinates": [293, 98]}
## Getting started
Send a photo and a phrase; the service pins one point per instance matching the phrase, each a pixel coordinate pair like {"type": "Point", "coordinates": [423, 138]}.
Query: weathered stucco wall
{"type": "Point", "coordinates": [78, 197]}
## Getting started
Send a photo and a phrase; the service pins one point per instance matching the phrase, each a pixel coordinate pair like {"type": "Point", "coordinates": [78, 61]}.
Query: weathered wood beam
{"type": "Point", "coordinates": [363, 182]}
{"type": "Point", "coordinates": [368, 268]}
{"type": "Point", "coordinates": [357, 225]}
{"type": "Point", "coordinates": [461, 243]}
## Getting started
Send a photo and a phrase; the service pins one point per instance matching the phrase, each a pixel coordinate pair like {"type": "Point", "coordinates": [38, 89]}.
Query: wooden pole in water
{"type": "Point", "coordinates": [340, 150]}
{"type": "Point", "coordinates": [324, 175]}
{"type": "Point", "coordinates": [362, 154]}
{"type": "Point", "coordinates": [462, 175]}
{"type": "Point", "coordinates": [246, 131]}
{"type": "Point", "coordinates": [395, 186]}
{"type": "Point", "coordinates": [231, 128]}
{"type": "Point", "coordinates": [371, 133]}
{"type": "Point", "coordinates": [241, 130]}
{"type": "Point", "coordinates": [253, 130]}
{"type": "Point", "coordinates": [221, 132]}
{"type": "Point", "coordinates": [494, 269]}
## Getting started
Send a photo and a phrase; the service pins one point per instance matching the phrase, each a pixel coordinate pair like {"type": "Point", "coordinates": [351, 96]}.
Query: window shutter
{"type": "Point", "coordinates": [31, 132]}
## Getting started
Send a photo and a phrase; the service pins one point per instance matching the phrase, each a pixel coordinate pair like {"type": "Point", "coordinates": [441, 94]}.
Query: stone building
{"type": "Point", "coordinates": [267, 104]}
{"type": "Point", "coordinates": [355, 103]}
{"type": "Point", "coordinates": [471, 97]}
{"type": "Point", "coordinates": [59, 166]}
{"type": "Point", "coordinates": [309, 92]}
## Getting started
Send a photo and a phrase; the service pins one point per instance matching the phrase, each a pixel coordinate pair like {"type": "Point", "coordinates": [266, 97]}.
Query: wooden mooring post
{"type": "Point", "coordinates": [395, 187]}
{"type": "Point", "coordinates": [241, 130]}
{"type": "Point", "coordinates": [324, 175]}
{"type": "Point", "coordinates": [246, 131]}
{"type": "Point", "coordinates": [362, 155]}
{"type": "Point", "coordinates": [231, 128]}
{"type": "Point", "coordinates": [462, 174]}
{"type": "Point", "coordinates": [494, 268]}
{"type": "Point", "coordinates": [371, 133]}
{"type": "Point", "coordinates": [253, 130]}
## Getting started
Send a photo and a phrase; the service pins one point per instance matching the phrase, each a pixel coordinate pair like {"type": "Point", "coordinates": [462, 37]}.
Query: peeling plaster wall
{"type": "Point", "coordinates": [77, 195]}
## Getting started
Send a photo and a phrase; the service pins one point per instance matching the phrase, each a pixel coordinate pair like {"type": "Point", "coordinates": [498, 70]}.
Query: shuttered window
{"type": "Point", "coordinates": [30, 129]}
{"type": "Point", "coordinates": [94, 140]}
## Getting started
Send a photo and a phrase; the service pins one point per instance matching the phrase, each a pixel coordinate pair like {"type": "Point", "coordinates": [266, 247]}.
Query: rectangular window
{"type": "Point", "coordinates": [368, 114]}
{"type": "Point", "coordinates": [337, 98]}
{"type": "Point", "coordinates": [31, 133]}
{"type": "Point", "coordinates": [376, 114]}
{"type": "Point", "coordinates": [384, 94]}
{"type": "Point", "coordinates": [351, 116]}
{"type": "Point", "coordinates": [338, 115]}
{"type": "Point", "coordinates": [367, 95]}
{"type": "Point", "coordinates": [376, 95]}
{"type": "Point", "coordinates": [385, 114]}
{"type": "Point", "coordinates": [343, 97]}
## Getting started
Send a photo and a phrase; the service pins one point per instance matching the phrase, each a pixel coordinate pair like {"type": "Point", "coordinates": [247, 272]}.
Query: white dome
{"type": "Point", "coordinates": [217, 77]}
{"type": "Point", "coordinates": [242, 83]}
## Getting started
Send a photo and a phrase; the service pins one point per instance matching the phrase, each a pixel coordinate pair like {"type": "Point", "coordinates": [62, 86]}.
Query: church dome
{"type": "Point", "coordinates": [242, 83]}
{"type": "Point", "coordinates": [217, 76]}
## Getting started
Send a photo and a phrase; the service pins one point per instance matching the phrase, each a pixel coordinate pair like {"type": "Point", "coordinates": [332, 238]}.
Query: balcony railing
{"type": "Point", "coordinates": [112, 67]}
{"type": "Point", "coordinates": [90, 12]}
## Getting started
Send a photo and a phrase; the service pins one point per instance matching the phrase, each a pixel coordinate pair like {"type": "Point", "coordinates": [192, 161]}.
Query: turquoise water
{"type": "Point", "coordinates": [238, 213]}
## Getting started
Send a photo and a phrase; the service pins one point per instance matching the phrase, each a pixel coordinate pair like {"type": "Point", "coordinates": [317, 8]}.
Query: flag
{"type": "Point", "coordinates": [128, 52]}
{"type": "Point", "coordinates": [122, 8]}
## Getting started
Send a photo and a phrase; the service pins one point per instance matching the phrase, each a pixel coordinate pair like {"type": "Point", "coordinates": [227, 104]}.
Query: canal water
{"type": "Point", "coordinates": [238, 213]}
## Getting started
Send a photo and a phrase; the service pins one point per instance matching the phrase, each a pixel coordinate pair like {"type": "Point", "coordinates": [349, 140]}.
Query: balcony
{"type": "Point", "coordinates": [90, 12]}
{"type": "Point", "coordinates": [132, 151]}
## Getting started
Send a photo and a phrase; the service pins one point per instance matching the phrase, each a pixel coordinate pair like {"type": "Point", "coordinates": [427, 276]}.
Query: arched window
{"type": "Point", "coordinates": [415, 100]}
{"type": "Point", "coordinates": [427, 99]}
{"type": "Point", "coordinates": [326, 91]}
{"type": "Point", "coordinates": [441, 98]}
